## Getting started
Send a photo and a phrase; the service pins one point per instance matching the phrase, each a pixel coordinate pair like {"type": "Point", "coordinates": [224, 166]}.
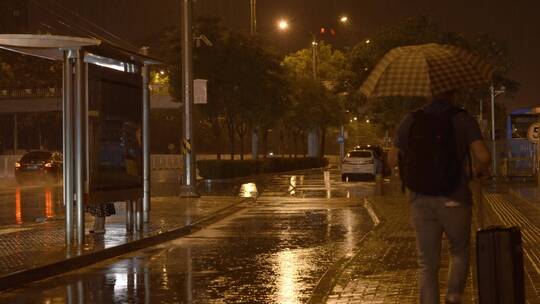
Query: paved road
{"type": "Point", "coordinates": [23, 205]}
{"type": "Point", "coordinates": [274, 251]}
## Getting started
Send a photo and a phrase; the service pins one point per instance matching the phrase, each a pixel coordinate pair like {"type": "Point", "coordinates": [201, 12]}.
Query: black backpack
{"type": "Point", "coordinates": [430, 163]}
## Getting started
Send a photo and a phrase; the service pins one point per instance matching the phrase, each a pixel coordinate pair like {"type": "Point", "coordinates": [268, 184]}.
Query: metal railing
{"type": "Point", "coordinates": [516, 158]}
{"type": "Point", "coordinates": [30, 93]}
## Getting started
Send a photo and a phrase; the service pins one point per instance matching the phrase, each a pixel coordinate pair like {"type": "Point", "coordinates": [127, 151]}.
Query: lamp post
{"type": "Point", "coordinates": [494, 94]}
{"type": "Point", "coordinates": [313, 139]}
{"type": "Point", "coordinates": [189, 175]}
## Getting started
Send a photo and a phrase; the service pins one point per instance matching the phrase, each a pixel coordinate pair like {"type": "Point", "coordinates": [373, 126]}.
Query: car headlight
{"type": "Point", "coordinates": [17, 165]}
{"type": "Point", "coordinates": [48, 165]}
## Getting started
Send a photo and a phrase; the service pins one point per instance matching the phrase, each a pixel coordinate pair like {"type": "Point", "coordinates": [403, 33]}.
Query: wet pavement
{"type": "Point", "coordinates": [308, 238]}
{"type": "Point", "coordinates": [274, 251]}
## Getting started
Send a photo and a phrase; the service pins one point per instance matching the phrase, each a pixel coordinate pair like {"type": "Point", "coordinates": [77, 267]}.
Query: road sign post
{"type": "Point", "coordinates": [533, 135]}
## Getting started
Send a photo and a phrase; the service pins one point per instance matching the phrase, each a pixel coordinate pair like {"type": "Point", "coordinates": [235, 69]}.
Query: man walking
{"type": "Point", "coordinates": [433, 147]}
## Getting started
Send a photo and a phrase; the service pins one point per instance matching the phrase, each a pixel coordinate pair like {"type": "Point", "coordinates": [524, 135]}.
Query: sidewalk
{"type": "Point", "coordinates": [38, 250]}
{"type": "Point", "coordinates": [384, 269]}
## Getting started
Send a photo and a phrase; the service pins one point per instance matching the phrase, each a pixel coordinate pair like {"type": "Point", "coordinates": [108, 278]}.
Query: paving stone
{"type": "Point", "coordinates": [384, 270]}
{"type": "Point", "coordinates": [41, 244]}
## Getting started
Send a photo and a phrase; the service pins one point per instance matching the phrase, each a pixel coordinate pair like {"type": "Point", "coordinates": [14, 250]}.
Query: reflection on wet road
{"type": "Point", "coordinates": [272, 252]}
{"type": "Point", "coordinates": [22, 205]}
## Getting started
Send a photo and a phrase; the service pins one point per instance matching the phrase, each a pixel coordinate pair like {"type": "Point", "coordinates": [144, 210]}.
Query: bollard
{"type": "Point", "coordinates": [379, 184]}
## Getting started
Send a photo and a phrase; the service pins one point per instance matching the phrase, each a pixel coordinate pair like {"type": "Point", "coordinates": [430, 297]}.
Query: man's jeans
{"type": "Point", "coordinates": [431, 216]}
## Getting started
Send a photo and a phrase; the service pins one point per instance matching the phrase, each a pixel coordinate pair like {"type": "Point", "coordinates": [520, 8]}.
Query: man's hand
{"type": "Point", "coordinates": [393, 157]}
{"type": "Point", "coordinates": [481, 157]}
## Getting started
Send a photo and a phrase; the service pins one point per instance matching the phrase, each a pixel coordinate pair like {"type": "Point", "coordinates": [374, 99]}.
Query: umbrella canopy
{"type": "Point", "coordinates": [426, 71]}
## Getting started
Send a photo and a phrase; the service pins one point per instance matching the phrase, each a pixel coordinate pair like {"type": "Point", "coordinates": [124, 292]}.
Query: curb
{"type": "Point", "coordinates": [249, 177]}
{"type": "Point", "coordinates": [18, 279]}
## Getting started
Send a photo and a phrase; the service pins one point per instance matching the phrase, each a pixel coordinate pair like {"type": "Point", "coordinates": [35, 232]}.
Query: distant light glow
{"type": "Point", "coordinates": [367, 120]}
{"type": "Point", "coordinates": [356, 118]}
{"type": "Point", "coordinates": [283, 25]}
{"type": "Point", "coordinates": [48, 203]}
{"type": "Point", "coordinates": [162, 72]}
{"type": "Point", "coordinates": [368, 41]}
{"type": "Point", "coordinates": [18, 212]}
{"type": "Point", "coordinates": [344, 19]}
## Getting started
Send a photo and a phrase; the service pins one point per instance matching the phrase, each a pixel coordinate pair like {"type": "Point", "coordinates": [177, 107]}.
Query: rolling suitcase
{"type": "Point", "coordinates": [500, 266]}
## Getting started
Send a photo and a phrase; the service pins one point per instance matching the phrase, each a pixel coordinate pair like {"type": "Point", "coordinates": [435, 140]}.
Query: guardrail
{"type": "Point", "coordinates": [7, 165]}
{"type": "Point", "coordinates": [29, 93]}
{"type": "Point", "coordinates": [157, 162]}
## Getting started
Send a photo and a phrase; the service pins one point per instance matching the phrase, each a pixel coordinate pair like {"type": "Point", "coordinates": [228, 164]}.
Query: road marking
{"type": "Point", "coordinates": [511, 216]}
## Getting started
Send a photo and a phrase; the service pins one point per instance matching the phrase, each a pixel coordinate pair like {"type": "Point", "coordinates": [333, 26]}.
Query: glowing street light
{"type": "Point", "coordinates": [344, 19]}
{"type": "Point", "coordinates": [283, 25]}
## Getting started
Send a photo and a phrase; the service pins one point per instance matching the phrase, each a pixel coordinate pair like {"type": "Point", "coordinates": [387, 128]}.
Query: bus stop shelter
{"type": "Point", "coordinates": [83, 58]}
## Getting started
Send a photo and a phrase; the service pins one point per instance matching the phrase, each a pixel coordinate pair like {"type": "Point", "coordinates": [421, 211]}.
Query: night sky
{"type": "Point", "coordinates": [516, 22]}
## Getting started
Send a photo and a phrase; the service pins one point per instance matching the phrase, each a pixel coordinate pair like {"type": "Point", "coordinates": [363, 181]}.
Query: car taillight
{"type": "Point", "coordinates": [17, 165]}
{"type": "Point", "coordinates": [48, 165]}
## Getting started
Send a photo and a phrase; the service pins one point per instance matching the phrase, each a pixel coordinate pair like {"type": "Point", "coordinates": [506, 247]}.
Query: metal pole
{"type": "Point", "coordinates": [493, 143]}
{"type": "Point", "coordinates": [315, 57]}
{"type": "Point", "coordinates": [146, 142]}
{"type": "Point", "coordinates": [79, 146]}
{"type": "Point", "coordinates": [481, 116]}
{"type": "Point", "coordinates": [67, 108]}
{"type": "Point", "coordinates": [255, 132]}
{"type": "Point", "coordinates": [189, 180]}
{"type": "Point", "coordinates": [313, 139]}
{"type": "Point", "coordinates": [253, 6]}
{"type": "Point", "coordinates": [15, 134]}
{"type": "Point", "coordinates": [341, 144]}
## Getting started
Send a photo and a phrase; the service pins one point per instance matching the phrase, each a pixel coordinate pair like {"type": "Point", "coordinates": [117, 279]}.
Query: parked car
{"type": "Point", "coordinates": [39, 167]}
{"type": "Point", "coordinates": [359, 163]}
{"type": "Point", "coordinates": [381, 158]}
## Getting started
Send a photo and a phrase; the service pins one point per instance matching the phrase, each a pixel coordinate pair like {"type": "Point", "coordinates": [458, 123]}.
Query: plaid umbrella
{"type": "Point", "coordinates": [425, 71]}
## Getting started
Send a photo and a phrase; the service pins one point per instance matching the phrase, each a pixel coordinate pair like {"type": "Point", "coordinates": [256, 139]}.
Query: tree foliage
{"type": "Point", "coordinates": [317, 103]}
{"type": "Point", "coordinates": [245, 86]}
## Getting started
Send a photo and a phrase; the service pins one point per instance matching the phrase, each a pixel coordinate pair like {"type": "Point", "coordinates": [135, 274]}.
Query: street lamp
{"type": "Point", "coordinates": [283, 25]}
{"type": "Point", "coordinates": [494, 94]}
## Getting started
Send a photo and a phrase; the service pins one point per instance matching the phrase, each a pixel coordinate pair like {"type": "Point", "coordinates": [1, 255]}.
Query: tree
{"type": "Point", "coordinates": [244, 83]}
{"type": "Point", "coordinates": [317, 103]}
{"type": "Point", "coordinates": [389, 111]}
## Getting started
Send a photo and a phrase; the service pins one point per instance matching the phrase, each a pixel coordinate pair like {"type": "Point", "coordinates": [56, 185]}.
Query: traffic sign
{"type": "Point", "coordinates": [533, 132]}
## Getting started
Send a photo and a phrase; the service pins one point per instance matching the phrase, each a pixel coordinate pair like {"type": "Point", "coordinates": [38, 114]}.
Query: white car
{"type": "Point", "coordinates": [359, 163]}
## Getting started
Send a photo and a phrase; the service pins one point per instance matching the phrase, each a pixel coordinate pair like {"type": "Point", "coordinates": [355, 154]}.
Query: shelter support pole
{"type": "Point", "coordinates": [146, 143]}
{"type": "Point", "coordinates": [80, 149]}
{"type": "Point", "coordinates": [139, 219]}
{"type": "Point", "coordinates": [129, 215]}
{"type": "Point", "coordinates": [67, 109]}
{"type": "Point", "coordinates": [189, 177]}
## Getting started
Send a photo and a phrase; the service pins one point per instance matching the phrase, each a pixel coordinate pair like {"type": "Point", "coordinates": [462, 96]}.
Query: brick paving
{"type": "Point", "coordinates": [384, 270]}
{"type": "Point", "coordinates": [34, 245]}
